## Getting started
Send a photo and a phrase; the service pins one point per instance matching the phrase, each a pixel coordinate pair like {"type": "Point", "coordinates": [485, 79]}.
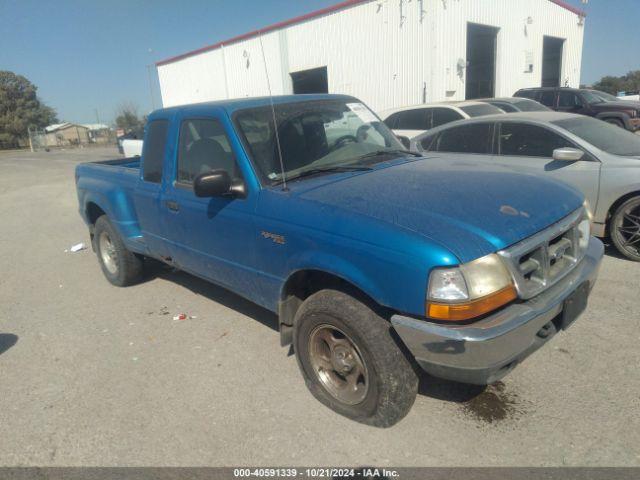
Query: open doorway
{"type": "Point", "coordinates": [481, 61]}
{"type": "Point", "coordinates": [552, 61]}
{"type": "Point", "coordinates": [310, 81]}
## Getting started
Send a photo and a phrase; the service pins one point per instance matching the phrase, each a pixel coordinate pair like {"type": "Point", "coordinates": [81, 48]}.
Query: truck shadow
{"type": "Point", "coordinates": [480, 400]}
{"type": "Point", "coordinates": [611, 251]}
{"type": "Point", "coordinates": [217, 294]}
{"type": "Point", "coordinates": [448, 390]}
{"type": "Point", "coordinates": [7, 340]}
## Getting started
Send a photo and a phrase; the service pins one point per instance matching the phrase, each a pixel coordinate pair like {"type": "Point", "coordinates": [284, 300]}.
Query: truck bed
{"type": "Point", "coordinates": [129, 162]}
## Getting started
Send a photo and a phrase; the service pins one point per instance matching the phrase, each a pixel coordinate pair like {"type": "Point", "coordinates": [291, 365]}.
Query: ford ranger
{"type": "Point", "coordinates": [376, 260]}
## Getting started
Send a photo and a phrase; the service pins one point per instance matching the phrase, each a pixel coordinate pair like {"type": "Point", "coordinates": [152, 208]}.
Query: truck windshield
{"type": "Point", "coordinates": [314, 136]}
{"type": "Point", "coordinates": [607, 97]}
{"type": "Point", "coordinates": [606, 137]}
{"type": "Point", "coordinates": [591, 98]}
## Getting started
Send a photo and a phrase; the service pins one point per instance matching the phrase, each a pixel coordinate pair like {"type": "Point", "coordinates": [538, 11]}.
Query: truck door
{"type": "Point", "coordinates": [211, 237]}
{"type": "Point", "coordinates": [149, 189]}
{"type": "Point", "coordinates": [529, 148]}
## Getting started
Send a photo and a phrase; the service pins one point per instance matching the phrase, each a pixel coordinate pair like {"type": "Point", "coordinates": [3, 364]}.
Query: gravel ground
{"type": "Point", "coordinates": [97, 375]}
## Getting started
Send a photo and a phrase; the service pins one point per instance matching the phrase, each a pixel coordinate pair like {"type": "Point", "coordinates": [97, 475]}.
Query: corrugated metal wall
{"type": "Point", "coordinates": [386, 52]}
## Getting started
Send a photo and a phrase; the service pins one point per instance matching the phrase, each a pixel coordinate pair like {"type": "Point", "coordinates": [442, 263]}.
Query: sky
{"type": "Point", "coordinates": [87, 57]}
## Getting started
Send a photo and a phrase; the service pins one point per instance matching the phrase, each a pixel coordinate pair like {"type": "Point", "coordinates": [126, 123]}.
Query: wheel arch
{"type": "Point", "coordinates": [623, 117]}
{"type": "Point", "coordinates": [303, 283]}
{"type": "Point", "coordinates": [93, 211]}
{"type": "Point", "coordinates": [614, 206]}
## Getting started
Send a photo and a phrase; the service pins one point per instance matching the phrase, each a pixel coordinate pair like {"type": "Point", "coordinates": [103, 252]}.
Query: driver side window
{"type": "Point", "coordinates": [203, 147]}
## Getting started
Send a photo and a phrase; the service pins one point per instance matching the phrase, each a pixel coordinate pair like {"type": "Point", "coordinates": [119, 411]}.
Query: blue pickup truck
{"type": "Point", "coordinates": [379, 262]}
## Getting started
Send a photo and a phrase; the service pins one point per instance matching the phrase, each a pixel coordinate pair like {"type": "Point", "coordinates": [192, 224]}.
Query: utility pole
{"type": "Point", "coordinates": [153, 103]}
{"type": "Point", "coordinates": [97, 116]}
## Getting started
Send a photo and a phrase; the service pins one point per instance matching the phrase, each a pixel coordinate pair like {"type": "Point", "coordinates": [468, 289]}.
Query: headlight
{"type": "Point", "coordinates": [470, 290]}
{"type": "Point", "coordinates": [584, 229]}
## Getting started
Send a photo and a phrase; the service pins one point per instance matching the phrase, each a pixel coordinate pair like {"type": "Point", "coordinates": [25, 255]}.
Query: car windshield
{"type": "Point", "coordinates": [314, 136]}
{"type": "Point", "coordinates": [530, 106]}
{"type": "Point", "coordinates": [607, 97]}
{"type": "Point", "coordinates": [606, 137]}
{"type": "Point", "coordinates": [481, 110]}
{"type": "Point", "coordinates": [591, 98]}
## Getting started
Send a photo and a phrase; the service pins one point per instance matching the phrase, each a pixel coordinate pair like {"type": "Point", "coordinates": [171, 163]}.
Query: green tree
{"type": "Point", "coordinates": [626, 83]}
{"type": "Point", "coordinates": [20, 109]}
{"type": "Point", "coordinates": [127, 117]}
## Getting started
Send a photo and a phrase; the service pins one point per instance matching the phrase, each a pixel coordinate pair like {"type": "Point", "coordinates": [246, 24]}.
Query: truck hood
{"type": "Point", "coordinates": [469, 208]}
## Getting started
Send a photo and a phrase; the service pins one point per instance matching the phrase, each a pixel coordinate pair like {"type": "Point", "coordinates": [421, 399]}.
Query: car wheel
{"type": "Point", "coordinates": [119, 265]}
{"type": "Point", "coordinates": [624, 227]}
{"type": "Point", "coordinates": [615, 121]}
{"type": "Point", "coordinates": [350, 361]}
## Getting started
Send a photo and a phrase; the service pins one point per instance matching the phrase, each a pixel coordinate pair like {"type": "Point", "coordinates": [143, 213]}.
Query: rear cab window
{"type": "Point", "coordinates": [153, 151]}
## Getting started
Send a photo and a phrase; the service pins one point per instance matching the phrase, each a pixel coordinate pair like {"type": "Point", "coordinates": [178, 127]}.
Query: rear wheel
{"type": "Point", "coordinates": [120, 266]}
{"type": "Point", "coordinates": [625, 228]}
{"type": "Point", "coordinates": [350, 361]}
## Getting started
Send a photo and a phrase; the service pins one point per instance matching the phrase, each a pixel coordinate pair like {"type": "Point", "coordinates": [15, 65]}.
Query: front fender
{"type": "Point", "coordinates": [623, 117]}
{"type": "Point", "coordinates": [338, 267]}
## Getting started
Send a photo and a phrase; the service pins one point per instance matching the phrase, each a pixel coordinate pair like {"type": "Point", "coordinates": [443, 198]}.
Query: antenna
{"type": "Point", "coordinates": [273, 113]}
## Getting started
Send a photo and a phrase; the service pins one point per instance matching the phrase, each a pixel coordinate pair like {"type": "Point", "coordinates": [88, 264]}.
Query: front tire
{"type": "Point", "coordinates": [350, 361]}
{"type": "Point", "coordinates": [624, 228]}
{"type": "Point", "coordinates": [120, 266]}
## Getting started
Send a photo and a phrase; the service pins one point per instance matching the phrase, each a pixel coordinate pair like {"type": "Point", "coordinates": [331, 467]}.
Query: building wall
{"type": "Point", "coordinates": [386, 52]}
{"type": "Point", "coordinates": [71, 135]}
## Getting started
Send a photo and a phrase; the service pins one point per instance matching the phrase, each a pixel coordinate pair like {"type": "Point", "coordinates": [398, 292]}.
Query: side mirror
{"type": "Point", "coordinates": [404, 141]}
{"type": "Point", "coordinates": [215, 183]}
{"type": "Point", "coordinates": [567, 154]}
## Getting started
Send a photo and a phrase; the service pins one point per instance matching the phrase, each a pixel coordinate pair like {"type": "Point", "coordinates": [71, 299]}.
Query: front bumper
{"type": "Point", "coordinates": [485, 351]}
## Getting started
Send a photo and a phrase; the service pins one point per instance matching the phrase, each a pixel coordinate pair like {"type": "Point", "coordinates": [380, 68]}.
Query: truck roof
{"type": "Point", "coordinates": [231, 105]}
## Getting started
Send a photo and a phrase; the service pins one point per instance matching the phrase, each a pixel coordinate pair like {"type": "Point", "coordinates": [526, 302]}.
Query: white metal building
{"type": "Point", "coordinates": [390, 53]}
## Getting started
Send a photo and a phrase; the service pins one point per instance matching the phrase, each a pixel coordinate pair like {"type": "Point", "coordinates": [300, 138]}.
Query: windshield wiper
{"type": "Point", "coordinates": [334, 169]}
{"type": "Point", "coordinates": [381, 153]}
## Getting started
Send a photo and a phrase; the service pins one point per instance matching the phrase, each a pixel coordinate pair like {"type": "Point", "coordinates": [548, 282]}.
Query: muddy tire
{"type": "Point", "coordinates": [350, 361]}
{"type": "Point", "coordinates": [120, 266]}
{"type": "Point", "coordinates": [624, 228]}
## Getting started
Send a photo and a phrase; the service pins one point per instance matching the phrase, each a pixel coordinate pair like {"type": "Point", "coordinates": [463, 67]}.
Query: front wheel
{"type": "Point", "coordinates": [625, 229]}
{"type": "Point", "coordinates": [120, 266]}
{"type": "Point", "coordinates": [350, 361]}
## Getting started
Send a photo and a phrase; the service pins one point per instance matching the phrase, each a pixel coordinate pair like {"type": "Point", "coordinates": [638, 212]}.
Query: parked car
{"type": "Point", "coordinates": [515, 104]}
{"type": "Point", "coordinates": [411, 121]}
{"type": "Point", "coordinates": [131, 148]}
{"type": "Point", "coordinates": [624, 114]}
{"type": "Point", "coordinates": [364, 250]}
{"type": "Point", "coordinates": [601, 160]}
{"type": "Point", "coordinates": [135, 134]}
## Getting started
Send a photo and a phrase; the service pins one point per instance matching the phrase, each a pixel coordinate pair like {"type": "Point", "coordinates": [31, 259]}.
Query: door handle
{"type": "Point", "coordinates": [173, 206]}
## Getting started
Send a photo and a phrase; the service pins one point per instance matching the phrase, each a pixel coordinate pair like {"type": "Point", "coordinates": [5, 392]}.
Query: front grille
{"type": "Point", "coordinates": [538, 262]}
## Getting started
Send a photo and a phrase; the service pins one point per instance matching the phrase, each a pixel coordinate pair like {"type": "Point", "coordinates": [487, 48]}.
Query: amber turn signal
{"type": "Point", "coordinates": [457, 312]}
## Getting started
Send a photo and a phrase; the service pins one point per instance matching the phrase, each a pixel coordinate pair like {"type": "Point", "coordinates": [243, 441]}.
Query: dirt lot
{"type": "Point", "coordinates": [97, 375]}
